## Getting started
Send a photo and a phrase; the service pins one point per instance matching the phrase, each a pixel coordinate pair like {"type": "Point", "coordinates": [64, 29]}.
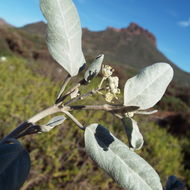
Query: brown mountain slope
{"type": "Point", "coordinates": [38, 28]}
{"type": "Point", "coordinates": [132, 47]}
{"type": "Point", "coordinates": [14, 41]}
{"type": "Point", "coordinates": [136, 49]}
{"type": "Point", "coordinates": [3, 23]}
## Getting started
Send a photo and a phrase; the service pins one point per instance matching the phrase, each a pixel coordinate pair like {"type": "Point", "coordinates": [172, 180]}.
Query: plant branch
{"type": "Point", "coordinates": [74, 120]}
{"type": "Point", "coordinates": [62, 98]}
{"type": "Point", "coordinates": [93, 91]}
{"type": "Point", "coordinates": [65, 83]}
{"type": "Point", "coordinates": [101, 83]}
{"type": "Point", "coordinates": [30, 122]}
{"type": "Point", "coordinates": [117, 115]}
{"type": "Point", "coordinates": [32, 130]}
{"type": "Point", "coordinates": [49, 111]}
{"type": "Point", "coordinates": [105, 107]}
{"type": "Point", "coordinates": [23, 126]}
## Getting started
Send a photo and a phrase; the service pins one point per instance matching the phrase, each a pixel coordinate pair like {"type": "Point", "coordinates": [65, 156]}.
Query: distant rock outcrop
{"type": "Point", "coordinates": [135, 29]}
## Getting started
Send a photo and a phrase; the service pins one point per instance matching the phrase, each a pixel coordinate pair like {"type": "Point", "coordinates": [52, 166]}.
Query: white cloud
{"type": "Point", "coordinates": [185, 23]}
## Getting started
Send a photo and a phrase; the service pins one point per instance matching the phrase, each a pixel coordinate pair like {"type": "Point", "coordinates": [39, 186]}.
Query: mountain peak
{"type": "Point", "coordinates": [114, 29]}
{"type": "Point", "coordinates": [35, 28]}
{"type": "Point", "coordinates": [135, 29]}
{"type": "Point", "coordinates": [40, 23]}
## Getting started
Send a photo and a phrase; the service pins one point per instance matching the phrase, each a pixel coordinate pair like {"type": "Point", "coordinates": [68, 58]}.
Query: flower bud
{"type": "Point", "coordinates": [107, 71]}
{"type": "Point", "coordinates": [109, 97]}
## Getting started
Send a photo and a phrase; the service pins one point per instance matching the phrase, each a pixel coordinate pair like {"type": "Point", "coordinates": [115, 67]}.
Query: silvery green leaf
{"type": "Point", "coordinates": [148, 87]}
{"type": "Point", "coordinates": [14, 165]}
{"type": "Point", "coordinates": [134, 135]}
{"type": "Point", "coordinates": [94, 68]}
{"type": "Point", "coordinates": [58, 120]}
{"type": "Point", "coordinates": [126, 167]}
{"type": "Point", "coordinates": [174, 183]}
{"type": "Point", "coordinates": [64, 34]}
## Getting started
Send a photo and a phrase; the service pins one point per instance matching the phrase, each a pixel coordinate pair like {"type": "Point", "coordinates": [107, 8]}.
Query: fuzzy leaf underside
{"type": "Point", "coordinates": [94, 68]}
{"type": "Point", "coordinates": [58, 120]}
{"type": "Point", "coordinates": [115, 158]}
{"type": "Point", "coordinates": [134, 135]}
{"type": "Point", "coordinates": [55, 121]}
{"type": "Point", "coordinates": [148, 87]}
{"type": "Point", "coordinates": [64, 34]}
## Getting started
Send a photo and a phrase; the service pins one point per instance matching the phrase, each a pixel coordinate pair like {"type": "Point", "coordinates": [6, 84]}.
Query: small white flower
{"type": "Point", "coordinates": [3, 58]}
{"type": "Point", "coordinates": [113, 84]}
{"type": "Point", "coordinates": [114, 80]}
{"type": "Point", "coordinates": [109, 97]}
{"type": "Point", "coordinates": [107, 71]}
{"type": "Point", "coordinates": [129, 114]}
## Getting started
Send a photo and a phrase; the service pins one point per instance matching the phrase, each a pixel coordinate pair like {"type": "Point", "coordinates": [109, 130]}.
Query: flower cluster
{"type": "Point", "coordinates": [113, 83]}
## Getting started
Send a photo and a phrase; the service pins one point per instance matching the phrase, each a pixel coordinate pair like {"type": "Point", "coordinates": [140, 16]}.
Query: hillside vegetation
{"type": "Point", "coordinates": [58, 158]}
{"type": "Point", "coordinates": [30, 81]}
{"type": "Point", "coordinates": [132, 47]}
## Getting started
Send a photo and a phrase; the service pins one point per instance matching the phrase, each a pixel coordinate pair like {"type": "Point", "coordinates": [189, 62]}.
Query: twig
{"type": "Point", "coordinates": [146, 112]}
{"type": "Point", "coordinates": [65, 83]}
{"type": "Point", "coordinates": [22, 129]}
{"type": "Point", "coordinates": [27, 124]}
{"type": "Point", "coordinates": [117, 115]}
{"type": "Point", "coordinates": [101, 83]}
{"type": "Point", "coordinates": [32, 130]}
{"type": "Point", "coordinates": [49, 111]}
{"type": "Point", "coordinates": [23, 126]}
{"type": "Point", "coordinates": [74, 120]}
{"type": "Point", "coordinates": [105, 107]}
{"type": "Point", "coordinates": [61, 98]}
{"type": "Point", "coordinates": [94, 91]}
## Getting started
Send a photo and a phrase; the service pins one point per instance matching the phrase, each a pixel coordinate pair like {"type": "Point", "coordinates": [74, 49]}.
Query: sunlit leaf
{"type": "Point", "coordinates": [14, 165]}
{"type": "Point", "coordinates": [64, 34]}
{"type": "Point", "coordinates": [94, 68]}
{"type": "Point", "coordinates": [134, 135]}
{"type": "Point", "coordinates": [148, 87]}
{"type": "Point", "coordinates": [123, 165]}
{"type": "Point", "coordinates": [58, 120]}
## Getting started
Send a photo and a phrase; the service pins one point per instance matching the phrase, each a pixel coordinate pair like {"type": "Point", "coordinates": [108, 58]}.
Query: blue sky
{"type": "Point", "coordinates": [168, 20]}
